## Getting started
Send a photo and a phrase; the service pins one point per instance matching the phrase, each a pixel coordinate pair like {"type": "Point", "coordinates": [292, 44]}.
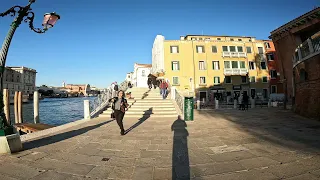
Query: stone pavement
{"type": "Point", "coordinates": [219, 145]}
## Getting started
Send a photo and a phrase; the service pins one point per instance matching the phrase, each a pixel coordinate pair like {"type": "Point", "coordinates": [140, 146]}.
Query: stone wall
{"type": "Point", "coordinates": [307, 97]}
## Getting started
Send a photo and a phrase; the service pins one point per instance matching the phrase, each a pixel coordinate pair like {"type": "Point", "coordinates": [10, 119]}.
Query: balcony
{"type": "Point", "coordinates": [234, 54]}
{"type": "Point", "coordinates": [235, 72]}
{"type": "Point", "coordinates": [307, 49]}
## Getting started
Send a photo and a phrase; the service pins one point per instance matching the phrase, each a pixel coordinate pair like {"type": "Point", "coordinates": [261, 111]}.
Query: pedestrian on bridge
{"type": "Point", "coordinates": [119, 106]}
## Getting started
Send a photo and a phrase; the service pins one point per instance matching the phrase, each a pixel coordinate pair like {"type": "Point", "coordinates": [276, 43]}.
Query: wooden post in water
{"type": "Point", "coordinates": [16, 117]}
{"type": "Point", "coordinates": [6, 103]}
{"type": "Point", "coordinates": [20, 107]}
{"type": "Point", "coordinates": [36, 107]}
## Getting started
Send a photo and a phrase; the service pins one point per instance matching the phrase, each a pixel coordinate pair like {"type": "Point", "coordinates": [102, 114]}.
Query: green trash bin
{"type": "Point", "coordinates": [188, 108]}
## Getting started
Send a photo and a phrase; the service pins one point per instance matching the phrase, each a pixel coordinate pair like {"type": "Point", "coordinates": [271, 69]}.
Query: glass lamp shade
{"type": "Point", "coordinates": [49, 20]}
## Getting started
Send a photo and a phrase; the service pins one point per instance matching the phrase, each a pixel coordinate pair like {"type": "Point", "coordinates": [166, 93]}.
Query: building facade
{"type": "Point", "coordinates": [140, 74]}
{"type": "Point", "coordinates": [212, 65]}
{"type": "Point", "coordinates": [19, 79]}
{"type": "Point", "coordinates": [82, 89]}
{"type": "Point", "coordinates": [298, 48]}
{"type": "Point", "coordinates": [275, 85]}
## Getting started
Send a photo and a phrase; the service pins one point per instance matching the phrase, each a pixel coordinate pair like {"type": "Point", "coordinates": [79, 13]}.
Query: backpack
{"type": "Point", "coordinates": [116, 88]}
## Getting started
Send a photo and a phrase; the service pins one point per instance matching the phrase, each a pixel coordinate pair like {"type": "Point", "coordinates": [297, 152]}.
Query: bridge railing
{"type": "Point", "coordinates": [101, 102]}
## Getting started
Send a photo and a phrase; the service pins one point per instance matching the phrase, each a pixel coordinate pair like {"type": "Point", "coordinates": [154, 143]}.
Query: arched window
{"type": "Point", "coordinates": [303, 75]}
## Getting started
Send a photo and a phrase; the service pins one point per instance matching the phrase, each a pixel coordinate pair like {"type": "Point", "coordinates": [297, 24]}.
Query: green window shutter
{"type": "Point", "coordinates": [177, 49]}
{"type": "Point", "coordinates": [170, 49]}
{"type": "Point", "coordinates": [172, 66]}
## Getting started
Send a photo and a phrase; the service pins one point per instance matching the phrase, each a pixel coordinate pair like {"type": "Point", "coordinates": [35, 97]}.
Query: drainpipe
{"type": "Point", "coordinates": [194, 70]}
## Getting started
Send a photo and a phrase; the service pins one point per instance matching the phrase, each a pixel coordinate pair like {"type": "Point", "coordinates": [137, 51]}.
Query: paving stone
{"type": "Point", "coordinates": [5, 177]}
{"type": "Point", "coordinates": [87, 150]}
{"type": "Point", "coordinates": [101, 172]}
{"type": "Point", "coordinates": [288, 170]}
{"type": "Point", "coordinates": [141, 173]}
{"type": "Point", "coordinates": [226, 148]}
{"type": "Point", "coordinates": [231, 156]}
{"type": "Point", "coordinates": [121, 162]}
{"type": "Point", "coordinates": [33, 156]}
{"type": "Point", "coordinates": [122, 173]}
{"type": "Point", "coordinates": [65, 167]}
{"type": "Point", "coordinates": [149, 154]}
{"type": "Point", "coordinates": [51, 175]}
{"type": "Point", "coordinates": [306, 176]}
{"type": "Point", "coordinates": [19, 171]}
{"type": "Point", "coordinates": [145, 162]}
{"type": "Point", "coordinates": [78, 158]}
{"type": "Point", "coordinates": [162, 173]}
{"type": "Point", "coordinates": [258, 162]}
{"type": "Point", "coordinates": [215, 168]}
{"type": "Point", "coordinates": [316, 172]}
{"type": "Point", "coordinates": [153, 147]}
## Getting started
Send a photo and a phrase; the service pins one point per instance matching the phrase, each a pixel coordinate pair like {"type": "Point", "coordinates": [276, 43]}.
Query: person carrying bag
{"type": "Point", "coordinates": [119, 107]}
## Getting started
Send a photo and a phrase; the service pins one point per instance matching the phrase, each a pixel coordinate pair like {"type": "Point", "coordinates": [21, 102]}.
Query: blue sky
{"type": "Point", "coordinates": [98, 41]}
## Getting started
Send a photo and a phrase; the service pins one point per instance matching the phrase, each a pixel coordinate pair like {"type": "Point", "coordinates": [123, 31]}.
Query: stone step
{"type": "Point", "coordinates": [155, 106]}
{"type": "Point", "coordinates": [144, 113]}
{"type": "Point", "coordinates": [139, 116]}
{"type": "Point", "coordinates": [152, 104]}
{"type": "Point", "coordinates": [134, 108]}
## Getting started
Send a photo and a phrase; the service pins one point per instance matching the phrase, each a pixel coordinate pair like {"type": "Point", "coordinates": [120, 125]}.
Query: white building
{"type": "Point", "coordinates": [158, 55]}
{"type": "Point", "coordinates": [140, 74]}
{"type": "Point", "coordinates": [129, 77]}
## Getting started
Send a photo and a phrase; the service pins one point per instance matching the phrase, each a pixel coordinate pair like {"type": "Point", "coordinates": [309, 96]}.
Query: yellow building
{"type": "Point", "coordinates": [213, 65]}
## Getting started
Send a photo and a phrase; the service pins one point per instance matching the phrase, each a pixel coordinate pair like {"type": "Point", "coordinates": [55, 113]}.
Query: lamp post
{"type": "Point", "coordinates": [24, 14]}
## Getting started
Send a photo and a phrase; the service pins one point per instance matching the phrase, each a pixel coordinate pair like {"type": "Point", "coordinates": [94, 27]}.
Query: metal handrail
{"type": "Point", "coordinates": [102, 100]}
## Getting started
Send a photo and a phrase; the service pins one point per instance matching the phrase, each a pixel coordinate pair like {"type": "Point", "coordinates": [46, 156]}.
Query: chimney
{"type": "Point", "coordinates": [181, 37]}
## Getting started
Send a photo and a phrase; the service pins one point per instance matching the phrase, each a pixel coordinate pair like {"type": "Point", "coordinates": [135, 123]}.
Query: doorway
{"type": "Point", "coordinates": [203, 95]}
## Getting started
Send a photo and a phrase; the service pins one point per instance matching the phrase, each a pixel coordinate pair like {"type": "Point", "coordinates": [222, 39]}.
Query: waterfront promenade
{"type": "Point", "coordinates": [220, 144]}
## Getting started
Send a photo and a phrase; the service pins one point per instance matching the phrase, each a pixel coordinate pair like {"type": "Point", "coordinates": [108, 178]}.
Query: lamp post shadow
{"type": "Point", "coordinates": [180, 155]}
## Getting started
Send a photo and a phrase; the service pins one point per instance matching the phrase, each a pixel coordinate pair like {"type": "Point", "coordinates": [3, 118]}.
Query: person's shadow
{"type": "Point", "coordinates": [146, 115]}
{"type": "Point", "coordinates": [180, 155]}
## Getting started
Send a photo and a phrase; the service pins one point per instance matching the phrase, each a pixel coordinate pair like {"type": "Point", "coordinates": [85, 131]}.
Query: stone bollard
{"type": "Point", "coordinates": [217, 103]}
{"type": "Point", "coordinates": [87, 109]}
{"type": "Point", "coordinates": [198, 104]}
{"type": "Point", "coordinates": [36, 107]}
{"type": "Point", "coordinates": [235, 103]}
{"type": "Point", "coordinates": [253, 103]}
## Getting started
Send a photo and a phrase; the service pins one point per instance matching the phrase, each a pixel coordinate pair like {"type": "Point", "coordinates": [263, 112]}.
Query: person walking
{"type": "Point", "coordinates": [163, 87]}
{"type": "Point", "coordinates": [245, 100]}
{"type": "Point", "coordinates": [119, 106]}
{"type": "Point", "coordinates": [149, 83]}
{"type": "Point", "coordinates": [115, 89]}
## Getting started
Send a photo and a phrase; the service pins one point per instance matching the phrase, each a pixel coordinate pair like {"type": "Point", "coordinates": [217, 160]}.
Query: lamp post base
{"type": "Point", "coordinates": [6, 131]}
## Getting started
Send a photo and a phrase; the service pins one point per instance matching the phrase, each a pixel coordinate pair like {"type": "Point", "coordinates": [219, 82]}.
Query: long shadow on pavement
{"type": "Point", "coordinates": [180, 154]}
{"type": "Point", "coordinates": [146, 115]}
{"type": "Point", "coordinates": [280, 127]}
{"type": "Point", "coordinates": [60, 137]}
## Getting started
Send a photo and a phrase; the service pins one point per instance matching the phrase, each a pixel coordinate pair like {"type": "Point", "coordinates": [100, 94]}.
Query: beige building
{"type": "Point", "coordinates": [19, 79]}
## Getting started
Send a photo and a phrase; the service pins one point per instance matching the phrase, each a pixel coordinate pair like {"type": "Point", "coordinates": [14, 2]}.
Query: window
{"type": "Point", "coordinates": [265, 93]}
{"type": "Point", "coordinates": [263, 65]}
{"type": "Point", "coordinates": [235, 65]}
{"type": "Point", "coordinates": [270, 57]}
{"type": "Point", "coordinates": [251, 65]}
{"type": "Point", "coordinates": [227, 65]}
{"type": "Point", "coordinates": [175, 65]}
{"type": "Point", "coordinates": [273, 74]}
{"type": "Point", "coordinates": [219, 39]}
{"type": "Point", "coordinates": [252, 79]}
{"type": "Point", "coordinates": [200, 39]}
{"type": "Point", "coordinates": [264, 79]}
{"type": "Point", "coordinates": [216, 80]}
{"type": "Point", "coordinates": [273, 89]}
{"type": "Point", "coordinates": [175, 80]}
{"type": "Point", "coordinates": [239, 39]}
{"type": "Point", "coordinates": [260, 49]}
{"type": "Point", "coordinates": [244, 79]}
{"type": "Point", "coordinates": [202, 80]}
{"type": "Point", "coordinates": [231, 39]}
{"type": "Point", "coordinates": [242, 64]}
{"type": "Point", "coordinates": [143, 73]}
{"type": "Point", "coordinates": [202, 65]}
{"type": "Point", "coordinates": [215, 65]}
{"type": "Point", "coordinates": [248, 49]}
{"type": "Point", "coordinates": [227, 79]}
{"type": "Point", "coordinates": [232, 48]}
{"type": "Point", "coordinates": [240, 49]}
{"type": "Point", "coordinates": [303, 75]}
{"type": "Point", "coordinates": [174, 49]}
{"type": "Point", "coordinates": [225, 48]}
{"type": "Point", "coordinates": [200, 49]}
{"type": "Point", "coordinates": [214, 49]}
{"type": "Point", "coordinates": [193, 38]}
{"type": "Point", "coordinates": [207, 39]}
{"type": "Point", "coordinates": [267, 45]}
{"type": "Point", "coordinates": [250, 40]}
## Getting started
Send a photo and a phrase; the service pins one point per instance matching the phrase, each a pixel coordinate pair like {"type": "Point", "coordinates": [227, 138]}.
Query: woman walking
{"type": "Point", "coordinates": [119, 106]}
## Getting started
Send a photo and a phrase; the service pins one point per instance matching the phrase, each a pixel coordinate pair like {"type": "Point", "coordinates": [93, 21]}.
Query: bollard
{"type": "Point", "coordinates": [198, 104]}
{"type": "Point", "coordinates": [20, 97]}
{"type": "Point", "coordinates": [253, 103]}
{"type": "Point", "coordinates": [217, 104]}
{"type": "Point", "coordinates": [235, 104]}
{"type": "Point", "coordinates": [6, 103]}
{"type": "Point", "coordinates": [87, 109]}
{"type": "Point", "coordinates": [269, 103]}
{"type": "Point", "coordinates": [16, 117]}
{"type": "Point", "coordinates": [36, 117]}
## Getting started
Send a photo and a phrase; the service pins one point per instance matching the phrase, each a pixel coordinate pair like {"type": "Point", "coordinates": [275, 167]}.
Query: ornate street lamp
{"type": "Point", "coordinates": [24, 14]}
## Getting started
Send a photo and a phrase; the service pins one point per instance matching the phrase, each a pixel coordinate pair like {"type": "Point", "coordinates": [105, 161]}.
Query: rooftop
{"type": "Point", "coordinates": [218, 36]}
{"type": "Point", "coordinates": [21, 68]}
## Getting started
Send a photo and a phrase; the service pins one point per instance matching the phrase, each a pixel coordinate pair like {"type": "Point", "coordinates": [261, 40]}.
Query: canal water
{"type": "Point", "coordinates": [54, 111]}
